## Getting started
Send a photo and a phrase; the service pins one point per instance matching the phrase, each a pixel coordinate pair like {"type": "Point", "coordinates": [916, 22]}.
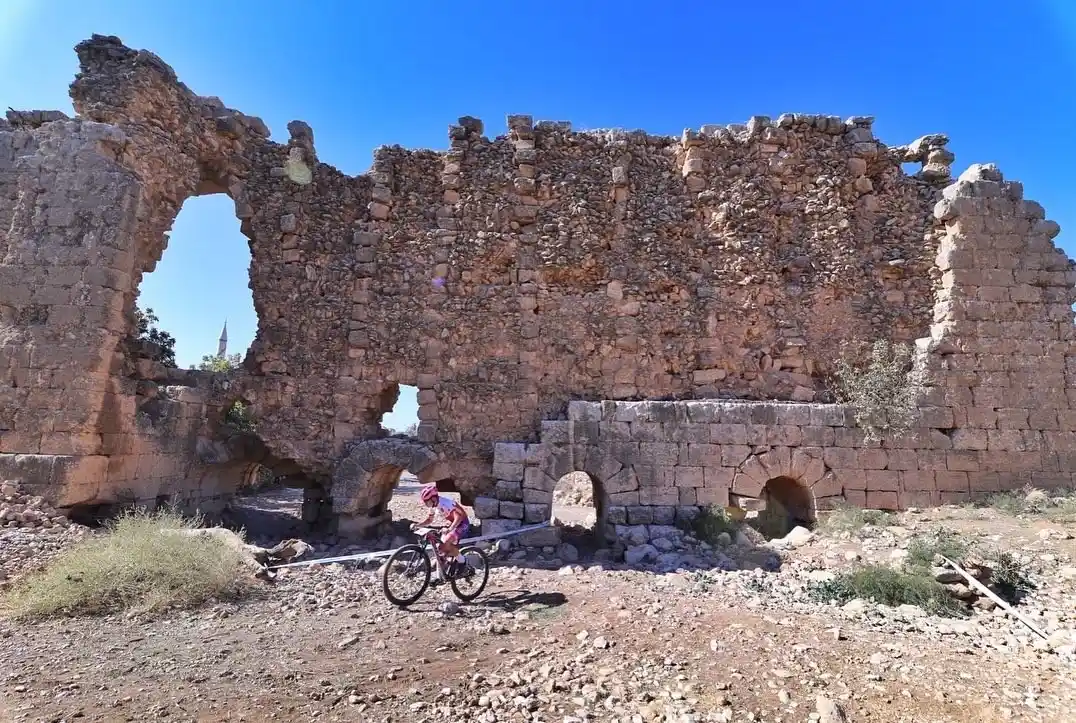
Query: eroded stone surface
{"type": "Point", "coordinates": [506, 277]}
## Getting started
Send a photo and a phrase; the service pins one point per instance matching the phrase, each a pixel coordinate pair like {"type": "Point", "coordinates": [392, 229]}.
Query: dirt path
{"type": "Point", "coordinates": [579, 643]}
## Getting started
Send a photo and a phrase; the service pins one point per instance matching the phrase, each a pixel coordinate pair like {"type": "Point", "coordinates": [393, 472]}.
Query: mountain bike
{"type": "Point", "coordinates": [411, 564]}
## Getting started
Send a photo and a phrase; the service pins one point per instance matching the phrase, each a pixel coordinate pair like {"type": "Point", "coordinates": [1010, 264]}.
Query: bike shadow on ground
{"type": "Point", "coordinates": [504, 601]}
{"type": "Point", "coordinates": [512, 600]}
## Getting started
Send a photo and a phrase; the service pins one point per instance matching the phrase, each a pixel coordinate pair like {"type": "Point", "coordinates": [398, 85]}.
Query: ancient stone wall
{"type": "Point", "coordinates": [995, 411]}
{"type": "Point", "coordinates": [503, 277]}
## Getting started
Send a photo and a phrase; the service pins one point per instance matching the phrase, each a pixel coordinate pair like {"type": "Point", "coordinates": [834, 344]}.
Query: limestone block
{"type": "Point", "coordinates": [733, 455]}
{"type": "Point", "coordinates": [664, 516]}
{"type": "Point", "coordinates": [668, 496]}
{"type": "Point", "coordinates": [509, 453]}
{"type": "Point", "coordinates": [617, 515]}
{"type": "Point", "coordinates": [807, 465]}
{"type": "Point", "coordinates": [600, 463]}
{"type": "Point", "coordinates": [536, 479]}
{"type": "Point", "coordinates": [951, 481]}
{"type": "Point", "coordinates": [689, 477]}
{"type": "Point", "coordinates": [535, 513]}
{"type": "Point", "coordinates": [746, 484]}
{"type": "Point", "coordinates": [614, 431]}
{"type": "Point", "coordinates": [688, 496]}
{"type": "Point", "coordinates": [509, 472]}
{"type": "Point", "coordinates": [623, 481]}
{"type": "Point", "coordinates": [700, 455]}
{"type": "Point", "coordinates": [509, 490]}
{"type": "Point", "coordinates": [872, 459]}
{"type": "Point", "coordinates": [966, 461]}
{"type": "Point", "coordinates": [851, 479]}
{"type": "Point", "coordinates": [784, 435]}
{"type": "Point", "coordinates": [511, 510]}
{"type": "Point", "coordinates": [499, 526]}
{"type": "Point", "coordinates": [710, 496]}
{"type": "Point", "coordinates": [653, 432]}
{"type": "Point", "coordinates": [662, 454]}
{"type": "Point", "coordinates": [828, 485]}
{"type": "Point", "coordinates": [882, 480]}
{"type": "Point", "coordinates": [546, 537]}
{"type": "Point", "coordinates": [776, 463]}
{"type": "Point", "coordinates": [486, 507]}
{"type": "Point", "coordinates": [687, 432]}
{"type": "Point", "coordinates": [642, 515]}
{"type": "Point", "coordinates": [830, 415]}
{"type": "Point", "coordinates": [718, 477]}
{"type": "Point", "coordinates": [728, 434]}
{"type": "Point", "coordinates": [882, 500]}
{"type": "Point", "coordinates": [840, 458]}
{"type": "Point", "coordinates": [816, 436]}
{"type": "Point", "coordinates": [585, 411]}
{"type": "Point", "coordinates": [902, 459]}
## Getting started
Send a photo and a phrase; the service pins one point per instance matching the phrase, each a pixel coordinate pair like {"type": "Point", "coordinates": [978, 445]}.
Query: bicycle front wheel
{"type": "Point", "coordinates": [472, 581]}
{"type": "Point", "coordinates": [406, 575]}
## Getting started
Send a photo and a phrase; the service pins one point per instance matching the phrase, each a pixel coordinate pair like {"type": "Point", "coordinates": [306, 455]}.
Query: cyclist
{"type": "Point", "coordinates": [458, 526]}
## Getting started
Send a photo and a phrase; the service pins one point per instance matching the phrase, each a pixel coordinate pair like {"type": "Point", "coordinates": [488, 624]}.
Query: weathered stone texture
{"type": "Point", "coordinates": [505, 277]}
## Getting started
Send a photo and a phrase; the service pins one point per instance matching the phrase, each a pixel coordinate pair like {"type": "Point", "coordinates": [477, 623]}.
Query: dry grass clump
{"type": "Point", "coordinates": [848, 518]}
{"type": "Point", "coordinates": [134, 565]}
{"type": "Point", "coordinates": [887, 586]}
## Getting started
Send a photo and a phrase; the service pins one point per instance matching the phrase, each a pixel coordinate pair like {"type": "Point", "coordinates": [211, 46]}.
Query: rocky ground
{"type": "Point", "coordinates": [560, 640]}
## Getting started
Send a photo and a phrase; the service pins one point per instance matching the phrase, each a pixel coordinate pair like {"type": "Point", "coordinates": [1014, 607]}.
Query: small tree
{"type": "Point", "coordinates": [240, 418]}
{"type": "Point", "coordinates": [883, 393]}
{"type": "Point", "coordinates": [412, 430]}
{"type": "Point", "coordinates": [220, 364]}
{"type": "Point", "coordinates": [146, 324]}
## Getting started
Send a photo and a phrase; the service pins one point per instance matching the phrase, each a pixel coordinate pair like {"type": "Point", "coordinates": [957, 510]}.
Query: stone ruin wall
{"type": "Point", "coordinates": [996, 411]}
{"type": "Point", "coordinates": [504, 278]}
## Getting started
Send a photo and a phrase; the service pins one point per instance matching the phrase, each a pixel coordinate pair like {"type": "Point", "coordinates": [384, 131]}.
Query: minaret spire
{"type": "Point", "coordinates": [222, 345]}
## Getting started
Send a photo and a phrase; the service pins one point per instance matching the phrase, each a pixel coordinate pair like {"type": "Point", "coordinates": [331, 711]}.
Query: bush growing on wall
{"type": "Point", "coordinates": [883, 392]}
{"type": "Point", "coordinates": [146, 325]}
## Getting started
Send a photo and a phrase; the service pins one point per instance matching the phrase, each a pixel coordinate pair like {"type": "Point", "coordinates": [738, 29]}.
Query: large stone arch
{"type": "Point", "coordinates": [363, 481]}
{"type": "Point", "coordinates": [784, 482]}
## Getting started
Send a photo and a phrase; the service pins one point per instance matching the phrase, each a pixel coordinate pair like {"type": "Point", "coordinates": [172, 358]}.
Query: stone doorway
{"type": "Point", "coordinates": [788, 503]}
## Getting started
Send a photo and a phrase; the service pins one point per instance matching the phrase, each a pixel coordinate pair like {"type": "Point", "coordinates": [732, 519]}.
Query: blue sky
{"type": "Point", "coordinates": [998, 76]}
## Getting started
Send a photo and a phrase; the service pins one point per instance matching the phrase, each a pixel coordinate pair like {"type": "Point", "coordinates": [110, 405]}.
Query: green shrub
{"type": "Point", "coordinates": [1009, 576]}
{"type": "Point", "coordinates": [883, 392]}
{"type": "Point", "coordinates": [133, 565]}
{"type": "Point", "coordinates": [923, 548]}
{"type": "Point", "coordinates": [887, 586]}
{"type": "Point", "coordinates": [711, 522]}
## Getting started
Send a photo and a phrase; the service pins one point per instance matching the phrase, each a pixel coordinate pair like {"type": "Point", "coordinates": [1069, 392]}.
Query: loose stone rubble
{"type": "Point", "coordinates": [31, 532]}
{"type": "Point", "coordinates": [564, 634]}
{"type": "Point", "coordinates": [507, 279]}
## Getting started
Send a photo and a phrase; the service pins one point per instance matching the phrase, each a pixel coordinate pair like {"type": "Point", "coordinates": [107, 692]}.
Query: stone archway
{"type": "Point", "coordinates": [363, 481]}
{"type": "Point", "coordinates": [781, 483]}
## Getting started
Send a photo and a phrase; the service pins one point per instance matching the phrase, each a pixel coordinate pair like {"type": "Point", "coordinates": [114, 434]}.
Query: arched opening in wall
{"type": "Point", "coordinates": [577, 510]}
{"type": "Point", "coordinates": [393, 504]}
{"type": "Point", "coordinates": [787, 504]}
{"type": "Point", "coordinates": [399, 407]}
{"type": "Point", "coordinates": [274, 500]}
{"type": "Point", "coordinates": [197, 299]}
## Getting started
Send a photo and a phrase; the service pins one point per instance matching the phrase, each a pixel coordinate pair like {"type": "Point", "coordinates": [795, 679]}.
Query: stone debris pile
{"type": "Point", "coordinates": [32, 532]}
{"type": "Point", "coordinates": [27, 511]}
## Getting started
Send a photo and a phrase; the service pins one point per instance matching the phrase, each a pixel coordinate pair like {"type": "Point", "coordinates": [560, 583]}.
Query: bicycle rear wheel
{"type": "Point", "coordinates": [472, 582]}
{"type": "Point", "coordinates": [406, 575]}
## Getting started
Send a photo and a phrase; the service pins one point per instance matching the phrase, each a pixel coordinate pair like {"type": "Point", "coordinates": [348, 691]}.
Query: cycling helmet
{"type": "Point", "coordinates": [429, 493]}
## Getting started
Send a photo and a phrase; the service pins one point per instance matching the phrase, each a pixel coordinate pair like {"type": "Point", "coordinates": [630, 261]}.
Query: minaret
{"type": "Point", "coordinates": [222, 345]}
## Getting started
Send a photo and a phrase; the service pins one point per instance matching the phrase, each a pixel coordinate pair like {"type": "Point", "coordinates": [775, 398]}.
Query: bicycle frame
{"type": "Point", "coordinates": [429, 538]}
